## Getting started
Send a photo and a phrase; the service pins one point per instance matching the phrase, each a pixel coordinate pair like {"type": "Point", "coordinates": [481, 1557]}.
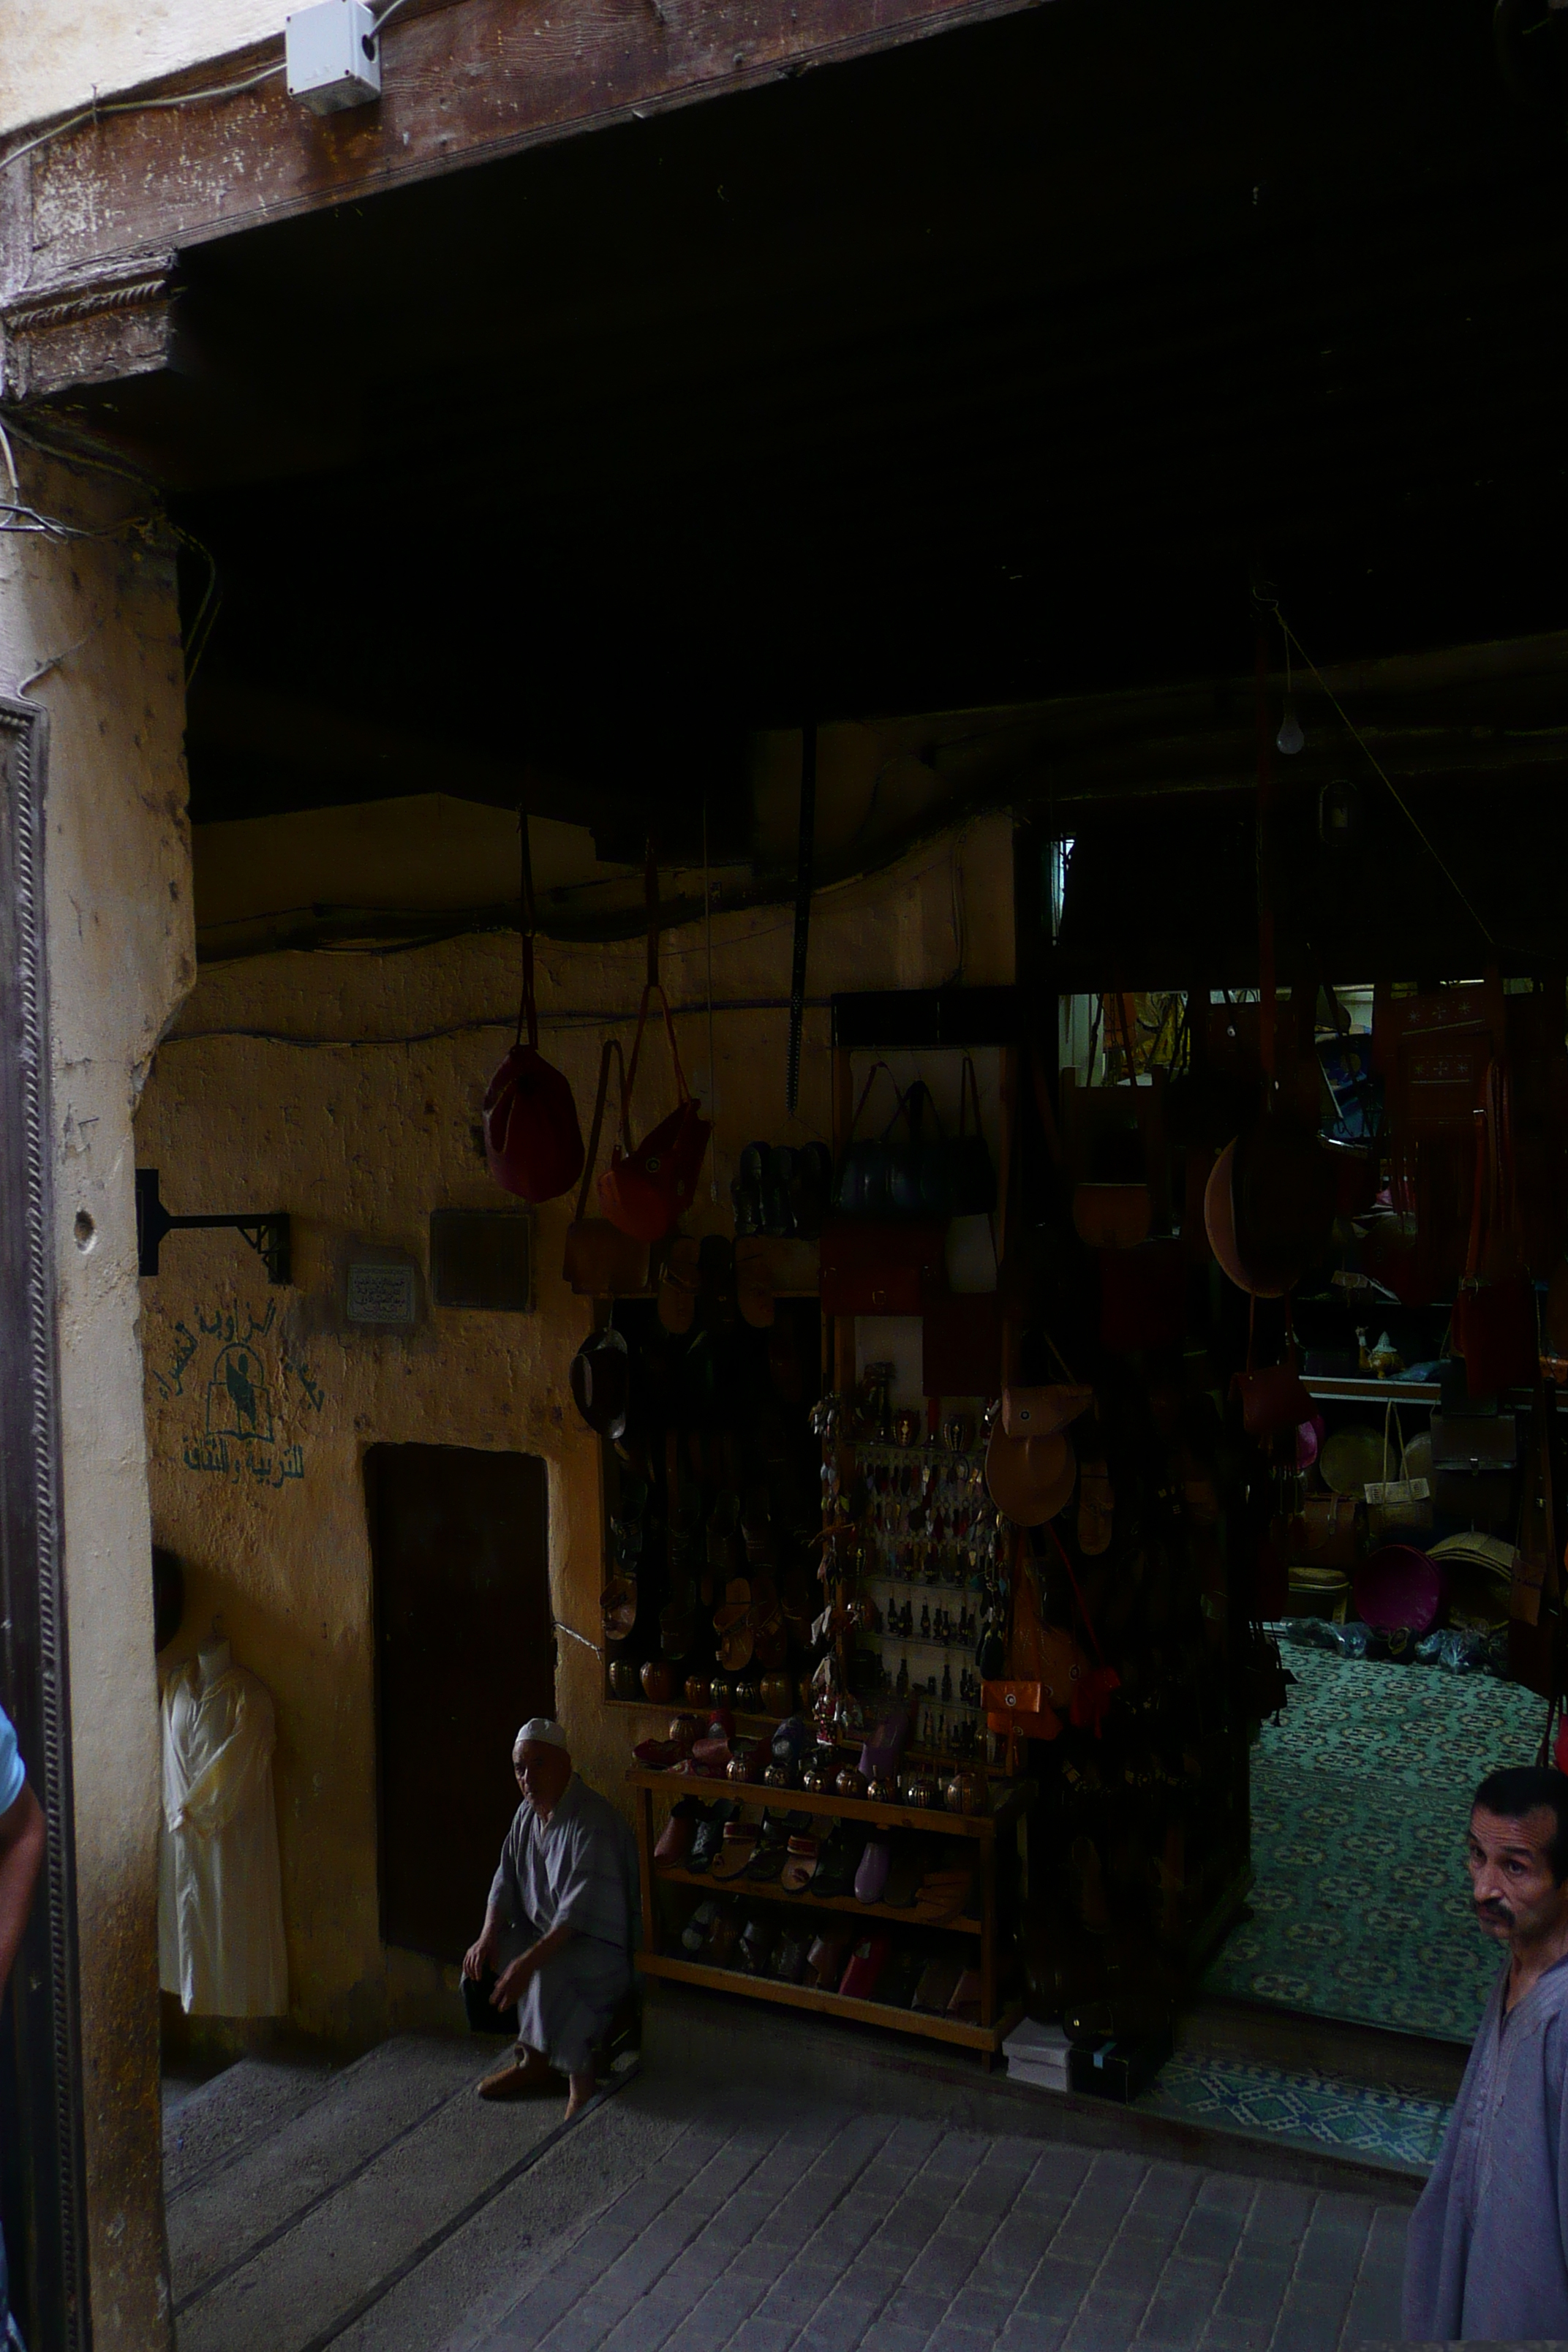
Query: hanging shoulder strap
{"type": "Point", "coordinates": [1077, 1594]}
{"type": "Point", "coordinates": [612, 1046]}
{"type": "Point", "coordinates": [968, 1090]}
{"type": "Point", "coordinates": [527, 1010]}
{"type": "Point", "coordinates": [866, 1095]}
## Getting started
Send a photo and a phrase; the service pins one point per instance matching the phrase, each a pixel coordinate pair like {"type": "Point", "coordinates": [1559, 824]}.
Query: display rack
{"type": "Point", "coordinates": [927, 1526]}
{"type": "Point", "coordinates": [1010, 1804]}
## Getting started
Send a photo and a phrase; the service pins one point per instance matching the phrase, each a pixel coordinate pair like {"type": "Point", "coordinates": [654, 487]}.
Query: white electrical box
{"type": "Point", "coordinates": [333, 55]}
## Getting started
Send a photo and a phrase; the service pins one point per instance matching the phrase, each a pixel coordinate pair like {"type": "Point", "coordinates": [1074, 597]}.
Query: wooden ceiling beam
{"type": "Point", "coordinates": [464, 84]}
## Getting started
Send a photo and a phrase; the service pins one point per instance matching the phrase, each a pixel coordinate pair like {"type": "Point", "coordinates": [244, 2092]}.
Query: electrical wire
{"type": "Point", "coordinates": [1381, 771]}
{"type": "Point", "coordinates": [577, 1018]}
{"type": "Point", "coordinates": [98, 109]}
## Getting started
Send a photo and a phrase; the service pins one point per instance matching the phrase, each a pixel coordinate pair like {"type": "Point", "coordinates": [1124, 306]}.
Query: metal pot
{"type": "Point", "coordinates": [966, 1792]}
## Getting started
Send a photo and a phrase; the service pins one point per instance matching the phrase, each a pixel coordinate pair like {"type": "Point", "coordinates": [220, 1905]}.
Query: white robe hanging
{"type": "Point", "coordinates": [220, 1909]}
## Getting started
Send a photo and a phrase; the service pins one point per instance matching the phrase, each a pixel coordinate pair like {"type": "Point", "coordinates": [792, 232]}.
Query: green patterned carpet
{"type": "Point", "coordinates": [1360, 1798]}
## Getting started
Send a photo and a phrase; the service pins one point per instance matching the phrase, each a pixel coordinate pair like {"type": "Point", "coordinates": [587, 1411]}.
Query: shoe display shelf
{"type": "Point", "coordinates": [1011, 1802]}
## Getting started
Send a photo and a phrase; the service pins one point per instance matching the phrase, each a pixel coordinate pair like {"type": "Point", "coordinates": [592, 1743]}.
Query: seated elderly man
{"type": "Point", "coordinates": [559, 1923]}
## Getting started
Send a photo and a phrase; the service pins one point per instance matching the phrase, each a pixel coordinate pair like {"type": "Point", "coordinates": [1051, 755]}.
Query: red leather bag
{"type": "Point", "coordinates": [534, 1145]}
{"type": "Point", "coordinates": [648, 1185]}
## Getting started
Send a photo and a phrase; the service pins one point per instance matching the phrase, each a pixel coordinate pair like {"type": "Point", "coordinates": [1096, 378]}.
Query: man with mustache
{"type": "Point", "coordinates": [1487, 2254]}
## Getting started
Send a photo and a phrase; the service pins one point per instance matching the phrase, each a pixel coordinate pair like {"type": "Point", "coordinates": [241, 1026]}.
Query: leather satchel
{"type": "Point", "coordinates": [1326, 1532]}
{"type": "Point", "coordinates": [1019, 1711]}
{"type": "Point", "coordinates": [646, 1186]}
{"type": "Point", "coordinates": [1273, 1399]}
{"type": "Point", "coordinates": [534, 1145]}
{"type": "Point", "coordinates": [602, 1262]}
{"type": "Point", "coordinates": [883, 1177]}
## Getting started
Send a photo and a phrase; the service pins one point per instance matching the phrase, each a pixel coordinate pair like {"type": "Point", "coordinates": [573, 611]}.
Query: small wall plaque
{"type": "Point", "coordinates": [381, 1293]}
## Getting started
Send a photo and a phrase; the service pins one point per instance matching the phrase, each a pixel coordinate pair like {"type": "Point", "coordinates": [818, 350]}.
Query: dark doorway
{"type": "Point", "coordinates": [464, 1652]}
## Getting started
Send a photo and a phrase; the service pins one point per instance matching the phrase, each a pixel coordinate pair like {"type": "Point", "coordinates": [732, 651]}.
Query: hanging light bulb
{"type": "Point", "coordinates": [1290, 739]}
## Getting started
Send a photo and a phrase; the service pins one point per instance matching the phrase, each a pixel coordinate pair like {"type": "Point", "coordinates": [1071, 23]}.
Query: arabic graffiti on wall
{"type": "Point", "coordinates": [254, 1397]}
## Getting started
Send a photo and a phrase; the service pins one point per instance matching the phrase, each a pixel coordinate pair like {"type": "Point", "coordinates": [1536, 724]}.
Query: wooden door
{"type": "Point", "coordinates": [464, 1653]}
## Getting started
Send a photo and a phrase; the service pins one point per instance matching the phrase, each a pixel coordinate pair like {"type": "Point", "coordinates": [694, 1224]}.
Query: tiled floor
{"type": "Point", "coordinates": [1359, 1797]}
{"type": "Point", "coordinates": [808, 2228]}
{"type": "Point", "coordinates": [382, 2209]}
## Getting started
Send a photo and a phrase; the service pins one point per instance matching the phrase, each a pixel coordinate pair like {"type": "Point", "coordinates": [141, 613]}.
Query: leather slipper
{"type": "Point", "coordinates": [740, 1843]}
{"type": "Point", "coordinates": [963, 2002]}
{"type": "Point", "coordinates": [871, 1876]}
{"type": "Point", "coordinates": [789, 1960]}
{"type": "Point", "coordinates": [675, 1840]}
{"type": "Point", "coordinates": [825, 1961]}
{"type": "Point", "coordinates": [697, 1931]}
{"type": "Point", "coordinates": [899, 1978]}
{"type": "Point", "coordinates": [837, 1862]}
{"type": "Point", "coordinates": [754, 1949]}
{"type": "Point", "coordinates": [864, 1971]}
{"type": "Point", "coordinates": [721, 1951]}
{"type": "Point", "coordinates": [767, 1863]}
{"type": "Point", "coordinates": [903, 1879]}
{"type": "Point", "coordinates": [939, 1982]}
{"type": "Point", "coordinates": [708, 1835]}
{"type": "Point", "coordinates": [800, 1862]}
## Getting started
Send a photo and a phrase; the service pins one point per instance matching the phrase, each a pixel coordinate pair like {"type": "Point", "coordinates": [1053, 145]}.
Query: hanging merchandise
{"type": "Point", "coordinates": [1029, 1479]}
{"type": "Point", "coordinates": [1268, 1207]}
{"type": "Point", "coordinates": [1274, 1398]}
{"type": "Point", "coordinates": [601, 1378]}
{"type": "Point", "coordinates": [533, 1144]}
{"type": "Point", "coordinates": [882, 1179]}
{"type": "Point", "coordinates": [220, 1904]}
{"type": "Point", "coordinates": [647, 1186]}
{"type": "Point", "coordinates": [601, 1261]}
{"type": "Point", "coordinates": [1119, 1140]}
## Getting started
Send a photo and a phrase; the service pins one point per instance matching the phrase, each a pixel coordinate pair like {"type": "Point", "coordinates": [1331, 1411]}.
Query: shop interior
{"type": "Point", "coordinates": [836, 556]}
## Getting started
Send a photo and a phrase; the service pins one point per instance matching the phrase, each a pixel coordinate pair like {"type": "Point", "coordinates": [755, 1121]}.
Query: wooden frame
{"type": "Point", "coordinates": [45, 2184]}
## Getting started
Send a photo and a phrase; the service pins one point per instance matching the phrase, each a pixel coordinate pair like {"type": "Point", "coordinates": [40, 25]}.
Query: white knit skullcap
{"type": "Point", "coordinates": [544, 1731]}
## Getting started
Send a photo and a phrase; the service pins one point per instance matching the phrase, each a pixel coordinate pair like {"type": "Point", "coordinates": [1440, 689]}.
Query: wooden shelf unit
{"type": "Point", "coordinates": [1011, 1803]}
{"type": "Point", "coordinates": [769, 1891]}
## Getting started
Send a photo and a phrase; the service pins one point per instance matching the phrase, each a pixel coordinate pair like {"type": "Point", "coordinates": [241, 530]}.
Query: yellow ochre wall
{"type": "Point", "coordinates": [362, 1140]}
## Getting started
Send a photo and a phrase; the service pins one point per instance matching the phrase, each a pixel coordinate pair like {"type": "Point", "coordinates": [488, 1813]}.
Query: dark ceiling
{"type": "Point", "coordinates": [987, 369]}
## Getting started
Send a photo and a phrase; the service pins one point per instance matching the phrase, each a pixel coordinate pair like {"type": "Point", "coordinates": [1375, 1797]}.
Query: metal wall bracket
{"type": "Point", "coordinates": [268, 1235]}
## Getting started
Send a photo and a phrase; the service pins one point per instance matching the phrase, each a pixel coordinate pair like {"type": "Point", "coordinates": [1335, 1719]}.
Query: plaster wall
{"type": "Point", "coordinates": [88, 627]}
{"type": "Point", "coordinates": [345, 1088]}
{"type": "Point", "coordinates": [54, 57]}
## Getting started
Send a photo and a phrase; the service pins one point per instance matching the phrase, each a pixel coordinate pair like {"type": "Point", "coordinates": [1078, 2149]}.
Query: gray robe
{"type": "Point", "coordinates": [1487, 2253]}
{"type": "Point", "coordinates": [581, 1869]}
